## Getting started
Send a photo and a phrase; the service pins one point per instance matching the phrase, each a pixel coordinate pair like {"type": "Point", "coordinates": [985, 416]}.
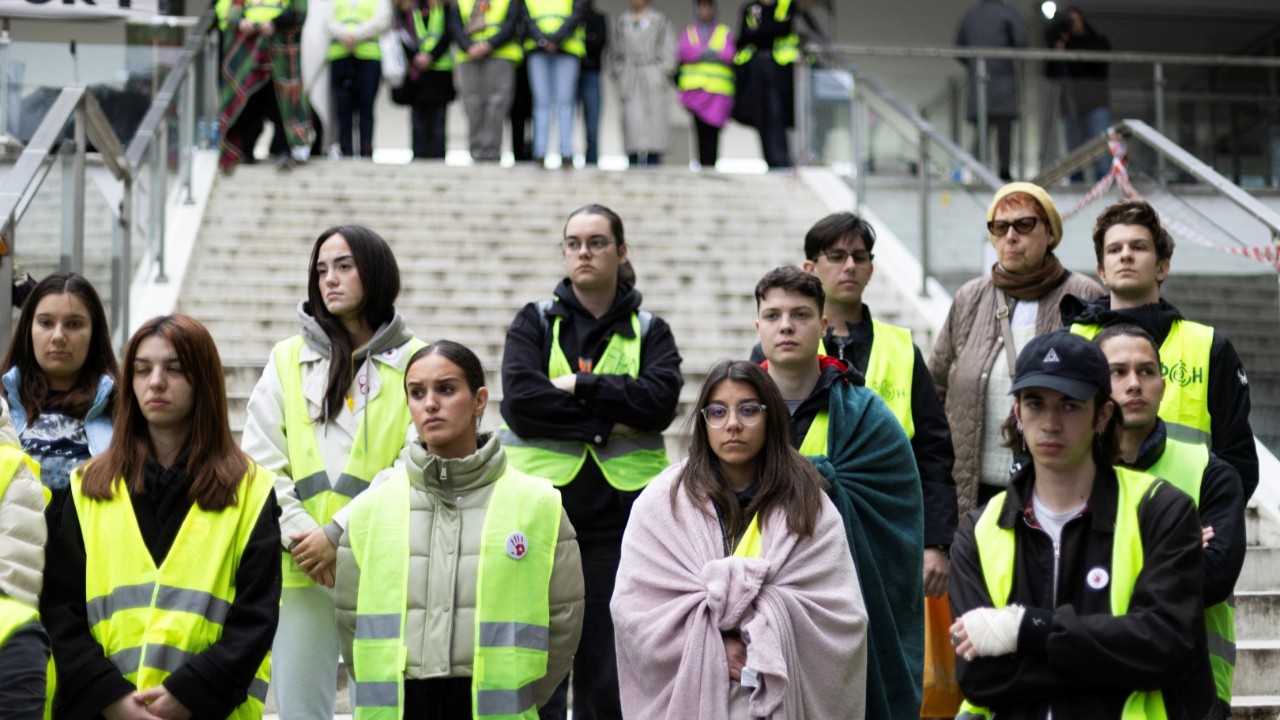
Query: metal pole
{"type": "Point", "coordinates": [863, 139]}
{"type": "Point", "coordinates": [6, 281]}
{"type": "Point", "coordinates": [1022, 123]}
{"type": "Point", "coordinates": [803, 107]}
{"type": "Point", "coordinates": [855, 152]}
{"type": "Point", "coordinates": [186, 134]}
{"type": "Point", "coordinates": [72, 259]}
{"type": "Point", "coordinates": [122, 265]}
{"type": "Point", "coordinates": [923, 171]}
{"type": "Point", "coordinates": [1158, 89]}
{"type": "Point", "coordinates": [156, 197]}
{"type": "Point", "coordinates": [981, 101]}
{"type": "Point", "coordinates": [5, 42]}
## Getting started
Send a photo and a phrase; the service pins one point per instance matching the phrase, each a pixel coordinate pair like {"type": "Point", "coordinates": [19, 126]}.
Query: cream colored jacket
{"type": "Point", "coordinates": [22, 528]}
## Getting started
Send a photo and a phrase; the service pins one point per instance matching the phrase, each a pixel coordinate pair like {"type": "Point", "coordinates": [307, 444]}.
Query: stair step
{"type": "Point", "coordinates": [1258, 614]}
{"type": "Point", "coordinates": [1255, 707]}
{"type": "Point", "coordinates": [1257, 667]}
{"type": "Point", "coordinates": [1261, 570]}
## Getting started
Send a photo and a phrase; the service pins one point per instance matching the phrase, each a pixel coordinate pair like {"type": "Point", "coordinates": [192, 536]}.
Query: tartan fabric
{"type": "Point", "coordinates": [251, 62]}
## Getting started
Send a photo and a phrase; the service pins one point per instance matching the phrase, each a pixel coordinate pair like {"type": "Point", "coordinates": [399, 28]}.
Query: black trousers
{"type": "Point", "coordinates": [23, 661]}
{"type": "Point", "coordinates": [595, 666]}
{"type": "Point", "coordinates": [260, 109]}
{"type": "Point", "coordinates": [429, 130]}
{"type": "Point", "coordinates": [708, 143]}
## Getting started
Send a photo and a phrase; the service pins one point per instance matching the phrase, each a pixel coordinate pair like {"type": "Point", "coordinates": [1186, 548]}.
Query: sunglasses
{"type": "Point", "coordinates": [1022, 225]}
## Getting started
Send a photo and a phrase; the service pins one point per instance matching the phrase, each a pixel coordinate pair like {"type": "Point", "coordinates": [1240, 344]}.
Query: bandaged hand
{"type": "Point", "coordinates": [993, 632]}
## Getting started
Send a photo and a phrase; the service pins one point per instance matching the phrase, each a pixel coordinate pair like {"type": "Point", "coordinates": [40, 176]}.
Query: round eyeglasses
{"type": "Point", "coordinates": [717, 416]}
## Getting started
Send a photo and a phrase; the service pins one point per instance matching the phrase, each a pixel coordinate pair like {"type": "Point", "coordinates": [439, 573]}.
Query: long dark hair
{"type": "Point", "coordinates": [214, 461]}
{"type": "Point", "coordinates": [626, 271]}
{"type": "Point", "coordinates": [786, 479]}
{"type": "Point", "coordinates": [380, 279]}
{"type": "Point", "coordinates": [1106, 445]}
{"type": "Point", "coordinates": [33, 390]}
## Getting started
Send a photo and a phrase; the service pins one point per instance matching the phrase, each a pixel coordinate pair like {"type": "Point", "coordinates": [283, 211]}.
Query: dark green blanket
{"type": "Point", "coordinates": [876, 487]}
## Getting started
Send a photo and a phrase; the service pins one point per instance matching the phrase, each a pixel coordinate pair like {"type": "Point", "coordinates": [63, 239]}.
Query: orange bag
{"type": "Point", "coordinates": [941, 688]}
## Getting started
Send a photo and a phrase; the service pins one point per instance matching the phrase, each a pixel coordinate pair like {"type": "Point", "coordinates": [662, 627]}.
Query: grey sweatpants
{"type": "Point", "coordinates": [487, 87]}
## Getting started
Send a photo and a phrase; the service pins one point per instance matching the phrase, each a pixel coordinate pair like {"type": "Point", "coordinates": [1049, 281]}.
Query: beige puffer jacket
{"type": "Point", "coordinates": [448, 500]}
{"type": "Point", "coordinates": [969, 344]}
{"type": "Point", "coordinates": [22, 527]}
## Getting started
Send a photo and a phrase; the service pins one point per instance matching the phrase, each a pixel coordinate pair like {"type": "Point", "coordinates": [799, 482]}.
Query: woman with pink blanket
{"type": "Point", "coordinates": [736, 596]}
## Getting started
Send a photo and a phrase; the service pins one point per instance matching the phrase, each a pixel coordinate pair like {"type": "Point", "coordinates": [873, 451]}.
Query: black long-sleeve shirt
{"type": "Point", "coordinates": [596, 27]}
{"type": "Point", "coordinates": [213, 682]}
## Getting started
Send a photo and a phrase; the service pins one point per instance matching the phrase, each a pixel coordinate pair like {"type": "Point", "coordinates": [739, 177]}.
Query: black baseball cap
{"type": "Point", "coordinates": [1064, 362]}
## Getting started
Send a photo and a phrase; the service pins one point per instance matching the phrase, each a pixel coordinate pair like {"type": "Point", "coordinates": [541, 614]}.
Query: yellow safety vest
{"type": "Point", "coordinates": [495, 12]}
{"type": "Point", "coordinates": [713, 77]}
{"type": "Point", "coordinates": [786, 49]}
{"type": "Point", "coordinates": [890, 370]}
{"type": "Point", "coordinates": [628, 462]}
{"type": "Point", "coordinates": [549, 16]}
{"type": "Point", "coordinates": [261, 11]}
{"type": "Point", "coordinates": [351, 14]}
{"type": "Point", "coordinates": [388, 420]}
{"type": "Point", "coordinates": [513, 614]}
{"type": "Point", "coordinates": [431, 32]}
{"type": "Point", "coordinates": [997, 555]}
{"type": "Point", "coordinates": [150, 620]}
{"type": "Point", "coordinates": [1183, 465]}
{"type": "Point", "coordinates": [752, 543]}
{"type": "Point", "coordinates": [1184, 363]}
{"type": "Point", "coordinates": [815, 439]}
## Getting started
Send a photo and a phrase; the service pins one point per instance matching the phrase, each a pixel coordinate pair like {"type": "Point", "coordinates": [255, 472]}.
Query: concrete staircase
{"type": "Point", "coordinates": [1257, 681]}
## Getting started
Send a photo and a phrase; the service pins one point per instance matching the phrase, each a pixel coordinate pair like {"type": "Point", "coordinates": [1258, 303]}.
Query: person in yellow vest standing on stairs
{"type": "Point", "coordinates": [767, 48]}
{"type": "Point", "coordinates": [590, 381]}
{"type": "Point", "coordinates": [487, 35]}
{"type": "Point", "coordinates": [706, 78]}
{"type": "Point", "coordinates": [428, 83]}
{"type": "Point", "coordinates": [355, 68]}
{"type": "Point", "coordinates": [1078, 590]}
{"type": "Point", "coordinates": [459, 579]}
{"type": "Point", "coordinates": [24, 644]}
{"type": "Point", "coordinates": [327, 416]}
{"type": "Point", "coordinates": [163, 588]}
{"type": "Point", "coordinates": [554, 46]}
{"type": "Point", "coordinates": [1145, 445]}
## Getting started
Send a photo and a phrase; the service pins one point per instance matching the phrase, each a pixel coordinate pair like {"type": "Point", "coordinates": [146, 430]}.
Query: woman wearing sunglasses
{"type": "Point", "coordinates": [991, 319]}
{"type": "Point", "coordinates": [736, 595]}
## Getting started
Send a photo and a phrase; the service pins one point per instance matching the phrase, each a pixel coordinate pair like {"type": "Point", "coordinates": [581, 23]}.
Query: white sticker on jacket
{"type": "Point", "coordinates": [517, 545]}
{"type": "Point", "coordinates": [1098, 578]}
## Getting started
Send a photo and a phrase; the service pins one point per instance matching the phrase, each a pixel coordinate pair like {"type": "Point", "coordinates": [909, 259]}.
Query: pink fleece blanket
{"type": "Point", "coordinates": [798, 608]}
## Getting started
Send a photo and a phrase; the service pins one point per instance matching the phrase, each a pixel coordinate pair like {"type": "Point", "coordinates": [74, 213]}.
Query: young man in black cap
{"type": "Point", "coordinates": [1079, 589]}
{"type": "Point", "coordinates": [1137, 387]}
{"type": "Point", "coordinates": [1206, 400]}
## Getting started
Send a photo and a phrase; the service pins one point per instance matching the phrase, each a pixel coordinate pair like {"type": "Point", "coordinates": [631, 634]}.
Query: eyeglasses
{"type": "Point", "coordinates": [1022, 225]}
{"type": "Point", "coordinates": [595, 245]}
{"type": "Point", "coordinates": [717, 416]}
{"type": "Point", "coordinates": [838, 257]}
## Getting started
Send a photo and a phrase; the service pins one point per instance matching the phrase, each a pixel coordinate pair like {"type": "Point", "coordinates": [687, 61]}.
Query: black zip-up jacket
{"type": "Point", "coordinates": [596, 28]}
{"type": "Point", "coordinates": [1073, 655]}
{"type": "Point", "coordinates": [212, 683]}
{"type": "Point", "coordinates": [534, 408]}
{"type": "Point", "coordinates": [1221, 507]}
{"type": "Point", "coordinates": [1228, 388]}
{"type": "Point", "coordinates": [931, 445]}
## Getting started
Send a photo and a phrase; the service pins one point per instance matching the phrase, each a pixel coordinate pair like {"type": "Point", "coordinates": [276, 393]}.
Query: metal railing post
{"type": "Point", "coordinates": [923, 170]}
{"type": "Point", "coordinates": [804, 111]}
{"type": "Point", "coordinates": [6, 281]}
{"type": "Point", "coordinates": [72, 259]}
{"type": "Point", "coordinates": [5, 42]}
{"type": "Point", "coordinates": [156, 191]}
{"type": "Point", "coordinates": [981, 102]}
{"type": "Point", "coordinates": [122, 265]}
{"type": "Point", "coordinates": [187, 134]}
{"type": "Point", "coordinates": [855, 151]}
{"type": "Point", "coordinates": [1158, 90]}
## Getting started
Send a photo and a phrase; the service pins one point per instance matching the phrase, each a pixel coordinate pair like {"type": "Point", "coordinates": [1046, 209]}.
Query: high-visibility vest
{"type": "Point", "coordinates": [262, 11]}
{"type": "Point", "coordinates": [513, 614]}
{"type": "Point", "coordinates": [815, 439]}
{"type": "Point", "coordinates": [752, 543]}
{"type": "Point", "coordinates": [430, 32]}
{"type": "Point", "coordinates": [549, 16]}
{"type": "Point", "coordinates": [495, 12]}
{"type": "Point", "coordinates": [997, 548]}
{"type": "Point", "coordinates": [890, 370]}
{"type": "Point", "coordinates": [1184, 363]}
{"type": "Point", "coordinates": [628, 462]}
{"type": "Point", "coordinates": [711, 76]}
{"type": "Point", "coordinates": [1183, 465]}
{"type": "Point", "coordinates": [786, 49]}
{"type": "Point", "coordinates": [387, 418]}
{"type": "Point", "coordinates": [150, 621]}
{"type": "Point", "coordinates": [352, 14]}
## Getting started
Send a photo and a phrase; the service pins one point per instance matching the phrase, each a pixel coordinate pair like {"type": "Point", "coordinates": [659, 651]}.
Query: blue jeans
{"type": "Point", "coordinates": [553, 79]}
{"type": "Point", "coordinates": [589, 96]}
{"type": "Point", "coordinates": [1079, 131]}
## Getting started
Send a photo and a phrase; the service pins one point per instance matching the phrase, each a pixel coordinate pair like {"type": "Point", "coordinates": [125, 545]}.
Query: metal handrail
{"type": "Point", "coordinates": [1105, 56]}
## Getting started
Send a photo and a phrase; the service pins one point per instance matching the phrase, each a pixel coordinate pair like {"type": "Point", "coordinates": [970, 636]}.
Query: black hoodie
{"type": "Point", "coordinates": [534, 408]}
{"type": "Point", "coordinates": [1228, 388]}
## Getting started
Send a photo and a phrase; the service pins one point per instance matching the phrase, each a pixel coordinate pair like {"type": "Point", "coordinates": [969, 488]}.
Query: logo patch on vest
{"type": "Point", "coordinates": [1051, 356]}
{"type": "Point", "coordinates": [1181, 374]}
{"type": "Point", "coordinates": [887, 390]}
{"type": "Point", "coordinates": [517, 545]}
{"type": "Point", "coordinates": [1097, 578]}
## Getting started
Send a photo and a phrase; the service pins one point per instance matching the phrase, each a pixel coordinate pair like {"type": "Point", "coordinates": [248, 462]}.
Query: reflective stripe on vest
{"type": "Point", "coordinates": [710, 75]}
{"type": "Point", "coordinates": [1184, 363]}
{"type": "Point", "coordinates": [997, 551]}
{"type": "Point", "coordinates": [1183, 465]}
{"type": "Point", "coordinates": [549, 16]}
{"type": "Point", "coordinates": [388, 418]}
{"type": "Point", "coordinates": [628, 462]}
{"type": "Point", "coordinates": [786, 49]}
{"type": "Point", "coordinates": [430, 33]}
{"type": "Point", "coordinates": [261, 11]}
{"type": "Point", "coordinates": [352, 14]}
{"type": "Point", "coordinates": [151, 621]}
{"type": "Point", "coordinates": [513, 614]}
{"type": "Point", "coordinates": [495, 12]}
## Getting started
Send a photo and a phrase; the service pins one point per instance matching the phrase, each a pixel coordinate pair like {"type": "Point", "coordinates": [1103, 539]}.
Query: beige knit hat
{"type": "Point", "coordinates": [1046, 202]}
